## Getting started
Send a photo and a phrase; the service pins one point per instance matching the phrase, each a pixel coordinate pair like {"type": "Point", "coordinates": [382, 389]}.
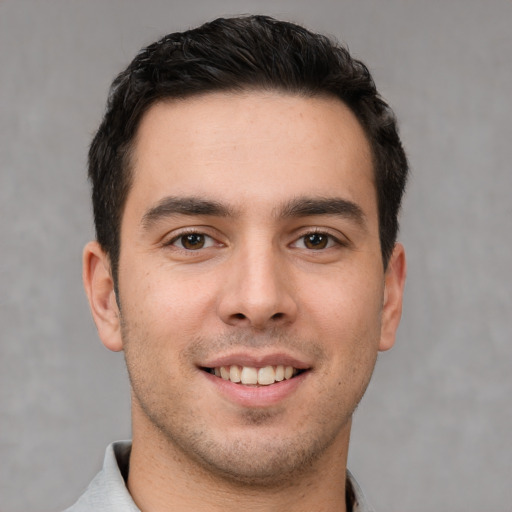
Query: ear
{"type": "Point", "coordinates": [394, 281]}
{"type": "Point", "coordinates": [99, 287]}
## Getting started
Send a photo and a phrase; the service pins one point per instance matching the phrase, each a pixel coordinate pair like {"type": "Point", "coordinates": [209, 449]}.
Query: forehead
{"type": "Point", "coordinates": [251, 146]}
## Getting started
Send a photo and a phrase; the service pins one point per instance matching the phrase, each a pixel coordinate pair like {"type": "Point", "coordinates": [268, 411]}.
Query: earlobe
{"type": "Point", "coordinates": [99, 287]}
{"type": "Point", "coordinates": [393, 296]}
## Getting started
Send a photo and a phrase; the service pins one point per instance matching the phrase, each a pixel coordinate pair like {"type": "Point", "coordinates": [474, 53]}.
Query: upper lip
{"type": "Point", "coordinates": [256, 360]}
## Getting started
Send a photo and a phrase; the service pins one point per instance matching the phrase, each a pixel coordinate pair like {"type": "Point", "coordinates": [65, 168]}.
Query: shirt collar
{"type": "Point", "coordinates": [108, 492]}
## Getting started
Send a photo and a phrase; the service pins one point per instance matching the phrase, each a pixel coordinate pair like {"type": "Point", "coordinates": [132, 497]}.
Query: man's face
{"type": "Point", "coordinates": [250, 240]}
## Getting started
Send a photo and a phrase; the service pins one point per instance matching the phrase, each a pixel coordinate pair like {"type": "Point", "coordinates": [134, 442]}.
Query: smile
{"type": "Point", "coordinates": [251, 376]}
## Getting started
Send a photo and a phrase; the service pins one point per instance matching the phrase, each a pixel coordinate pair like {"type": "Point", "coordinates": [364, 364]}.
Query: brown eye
{"type": "Point", "coordinates": [192, 241]}
{"type": "Point", "coordinates": [316, 241]}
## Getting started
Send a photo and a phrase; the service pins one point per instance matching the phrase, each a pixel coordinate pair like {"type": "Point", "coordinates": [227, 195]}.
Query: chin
{"type": "Point", "coordinates": [261, 458]}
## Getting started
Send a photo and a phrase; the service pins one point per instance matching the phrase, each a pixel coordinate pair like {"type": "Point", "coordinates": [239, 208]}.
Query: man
{"type": "Point", "coordinates": [247, 179]}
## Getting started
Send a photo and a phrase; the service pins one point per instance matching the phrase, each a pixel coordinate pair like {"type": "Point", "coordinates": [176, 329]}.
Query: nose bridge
{"type": "Point", "coordinates": [258, 288]}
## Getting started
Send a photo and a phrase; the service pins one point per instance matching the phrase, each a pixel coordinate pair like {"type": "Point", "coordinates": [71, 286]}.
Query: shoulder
{"type": "Point", "coordinates": [107, 492]}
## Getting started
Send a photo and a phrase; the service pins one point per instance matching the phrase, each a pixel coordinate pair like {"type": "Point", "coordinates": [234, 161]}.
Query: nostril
{"type": "Point", "coordinates": [277, 316]}
{"type": "Point", "coordinates": [239, 316]}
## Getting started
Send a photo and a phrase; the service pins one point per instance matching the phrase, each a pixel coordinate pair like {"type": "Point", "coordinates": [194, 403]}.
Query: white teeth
{"type": "Point", "coordinates": [249, 375]}
{"type": "Point", "coordinates": [234, 374]}
{"type": "Point", "coordinates": [266, 376]}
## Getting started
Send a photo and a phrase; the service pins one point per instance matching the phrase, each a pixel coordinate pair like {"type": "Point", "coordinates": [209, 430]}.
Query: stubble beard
{"type": "Point", "coordinates": [251, 460]}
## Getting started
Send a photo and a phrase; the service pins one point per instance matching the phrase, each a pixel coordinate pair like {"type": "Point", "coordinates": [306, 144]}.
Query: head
{"type": "Point", "coordinates": [247, 179]}
{"type": "Point", "coordinates": [249, 53]}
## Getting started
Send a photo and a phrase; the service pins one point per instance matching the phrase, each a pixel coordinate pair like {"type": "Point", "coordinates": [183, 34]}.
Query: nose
{"type": "Point", "coordinates": [258, 291]}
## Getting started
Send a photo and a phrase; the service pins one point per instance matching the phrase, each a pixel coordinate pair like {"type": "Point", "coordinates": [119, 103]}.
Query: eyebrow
{"type": "Point", "coordinates": [307, 206]}
{"type": "Point", "coordinates": [298, 207]}
{"type": "Point", "coordinates": [170, 206]}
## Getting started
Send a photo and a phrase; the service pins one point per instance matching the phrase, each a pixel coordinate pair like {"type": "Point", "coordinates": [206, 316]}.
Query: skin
{"type": "Point", "coordinates": [263, 278]}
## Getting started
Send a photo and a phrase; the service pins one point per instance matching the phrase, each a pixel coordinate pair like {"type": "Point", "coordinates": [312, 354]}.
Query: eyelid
{"type": "Point", "coordinates": [337, 239]}
{"type": "Point", "coordinates": [169, 241]}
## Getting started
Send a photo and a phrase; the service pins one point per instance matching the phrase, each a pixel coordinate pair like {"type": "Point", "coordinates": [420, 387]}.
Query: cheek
{"type": "Point", "coordinates": [348, 322]}
{"type": "Point", "coordinates": [165, 303]}
{"type": "Point", "coordinates": [349, 305]}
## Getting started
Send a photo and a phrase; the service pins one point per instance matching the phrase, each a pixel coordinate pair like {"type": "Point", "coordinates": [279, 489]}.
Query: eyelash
{"type": "Point", "coordinates": [185, 233]}
{"type": "Point", "coordinates": [331, 240]}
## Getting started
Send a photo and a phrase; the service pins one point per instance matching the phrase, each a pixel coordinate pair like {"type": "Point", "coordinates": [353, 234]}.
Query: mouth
{"type": "Point", "coordinates": [252, 376]}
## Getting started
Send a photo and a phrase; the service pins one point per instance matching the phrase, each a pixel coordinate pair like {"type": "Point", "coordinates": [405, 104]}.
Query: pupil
{"type": "Point", "coordinates": [316, 241]}
{"type": "Point", "coordinates": [193, 241]}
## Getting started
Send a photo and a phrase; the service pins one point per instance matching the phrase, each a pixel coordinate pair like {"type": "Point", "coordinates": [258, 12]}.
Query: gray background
{"type": "Point", "coordinates": [434, 431]}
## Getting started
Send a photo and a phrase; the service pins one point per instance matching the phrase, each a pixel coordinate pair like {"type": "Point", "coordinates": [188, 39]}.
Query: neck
{"type": "Point", "coordinates": [163, 478]}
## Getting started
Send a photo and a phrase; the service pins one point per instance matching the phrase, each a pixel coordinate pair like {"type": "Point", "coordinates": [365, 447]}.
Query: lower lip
{"type": "Point", "coordinates": [256, 396]}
